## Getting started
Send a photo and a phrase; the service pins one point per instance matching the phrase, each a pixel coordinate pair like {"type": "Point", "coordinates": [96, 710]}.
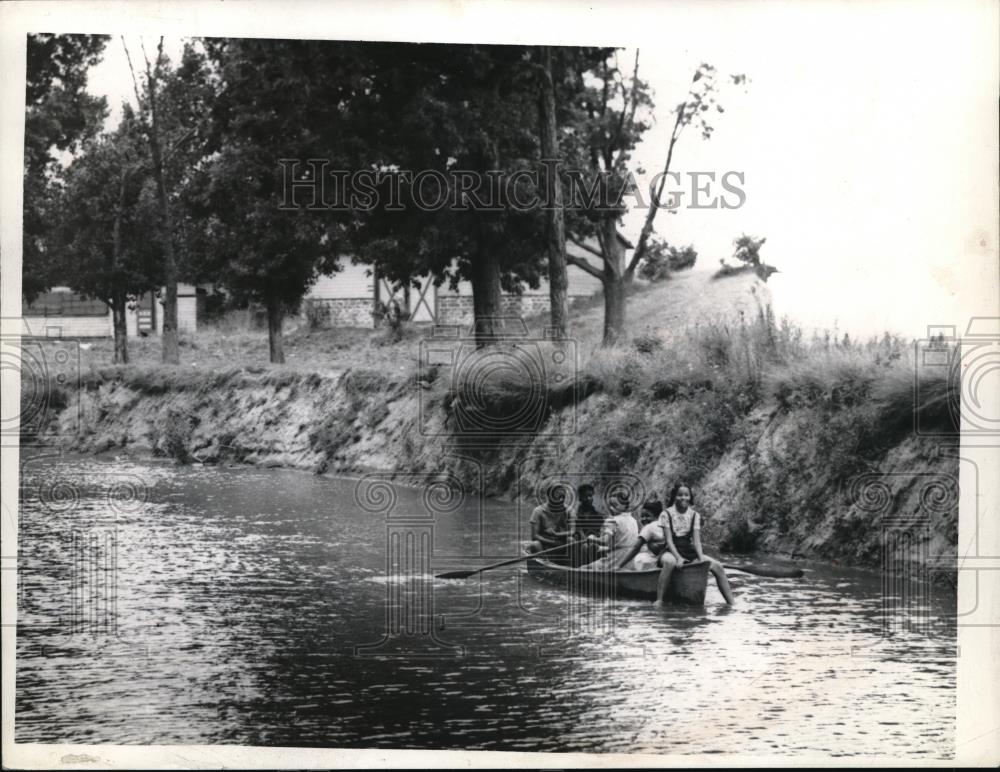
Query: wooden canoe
{"type": "Point", "coordinates": [687, 584]}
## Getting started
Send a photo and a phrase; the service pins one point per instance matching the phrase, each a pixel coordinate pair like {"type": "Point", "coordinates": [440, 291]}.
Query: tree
{"type": "Point", "coordinates": [106, 211]}
{"type": "Point", "coordinates": [435, 108]}
{"type": "Point", "coordinates": [185, 98]}
{"type": "Point", "coordinates": [152, 119]}
{"type": "Point", "coordinates": [613, 115]}
{"type": "Point", "coordinates": [747, 249]}
{"type": "Point", "coordinates": [614, 111]}
{"type": "Point", "coordinates": [560, 79]}
{"type": "Point", "coordinates": [59, 114]}
{"type": "Point", "coordinates": [696, 109]}
{"type": "Point", "coordinates": [556, 225]}
{"type": "Point", "coordinates": [173, 104]}
{"type": "Point", "coordinates": [242, 236]}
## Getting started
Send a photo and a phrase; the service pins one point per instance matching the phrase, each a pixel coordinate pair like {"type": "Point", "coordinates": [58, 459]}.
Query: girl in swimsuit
{"type": "Point", "coordinates": [682, 530]}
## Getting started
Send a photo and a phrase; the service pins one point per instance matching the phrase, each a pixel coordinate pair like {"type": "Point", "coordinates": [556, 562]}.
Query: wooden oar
{"type": "Point", "coordinates": [466, 574]}
{"type": "Point", "coordinates": [775, 573]}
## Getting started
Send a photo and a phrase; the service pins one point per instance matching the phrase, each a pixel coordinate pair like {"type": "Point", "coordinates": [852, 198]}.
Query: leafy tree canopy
{"type": "Point", "coordinates": [59, 114]}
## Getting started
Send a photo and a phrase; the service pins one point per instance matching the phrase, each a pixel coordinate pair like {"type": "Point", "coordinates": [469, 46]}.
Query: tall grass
{"type": "Point", "coordinates": [850, 402]}
{"type": "Point", "coordinates": [690, 397]}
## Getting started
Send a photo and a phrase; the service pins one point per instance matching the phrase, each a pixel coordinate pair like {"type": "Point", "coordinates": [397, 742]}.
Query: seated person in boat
{"type": "Point", "coordinates": [651, 545]}
{"type": "Point", "coordinates": [585, 520]}
{"type": "Point", "coordinates": [618, 536]}
{"type": "Point", "coordinates": [651, 510]}
{"type": "Point", "coordinates": [681, 529]}
{"type": "Point", "coordinates": [550, 524]}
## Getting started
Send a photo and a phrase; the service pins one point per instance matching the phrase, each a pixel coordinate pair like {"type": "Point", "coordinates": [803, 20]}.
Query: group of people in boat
{"type": "Point", "coordinates": [626, 538]}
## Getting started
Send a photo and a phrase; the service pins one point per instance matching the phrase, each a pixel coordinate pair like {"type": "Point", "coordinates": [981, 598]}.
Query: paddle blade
{"type": "Point", "coordinates": [456, 574]}
{"type": "Point", "coordinates": [773, 573]}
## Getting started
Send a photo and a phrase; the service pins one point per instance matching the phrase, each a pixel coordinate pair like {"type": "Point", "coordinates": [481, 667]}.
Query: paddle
{"type": "Point", "coordinates": [466, 574]}
{"type": "Point", "coordinates": [775, 573]}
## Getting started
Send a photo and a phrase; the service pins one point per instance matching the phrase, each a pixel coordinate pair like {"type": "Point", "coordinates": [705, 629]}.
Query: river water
{"type": "Point", "coordinates": [165, 605]}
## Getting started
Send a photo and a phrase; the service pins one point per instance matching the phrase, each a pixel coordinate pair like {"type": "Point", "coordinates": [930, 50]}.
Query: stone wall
{"type": "Point", "coordinates": [457, 309]}
{"type": "Point", "coordinates": [339, 312]}
{"type": "Point", "coordinates": [451, 309]}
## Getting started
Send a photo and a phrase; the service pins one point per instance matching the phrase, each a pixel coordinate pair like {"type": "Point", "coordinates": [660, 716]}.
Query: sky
{"type": "Point", "coordinates": [867, 138]}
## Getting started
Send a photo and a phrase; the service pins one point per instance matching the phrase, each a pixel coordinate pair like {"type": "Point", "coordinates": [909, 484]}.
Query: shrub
{"type": "Point", "coordinates": [740, 537]}
{"type": "Point", "coordinates": [662, 259]}
{"type": "Point", "coordinates": [357, 382]}
{"type": "Point", "coordinates": [647, 344]}
{"type": "Point", "coordinates": [391, 315]}
{"type": "Point", "coordinates": [178, 426]}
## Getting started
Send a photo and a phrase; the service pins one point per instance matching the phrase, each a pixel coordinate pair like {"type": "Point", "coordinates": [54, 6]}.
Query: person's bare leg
{"type": "Point", "coordinates": [721, 580]}
{"type": "Point", "coordinates": [669, 564]}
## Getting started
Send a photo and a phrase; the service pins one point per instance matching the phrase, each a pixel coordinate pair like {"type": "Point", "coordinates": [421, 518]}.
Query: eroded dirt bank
{"type": "Point", "coordinates": [809, 478]}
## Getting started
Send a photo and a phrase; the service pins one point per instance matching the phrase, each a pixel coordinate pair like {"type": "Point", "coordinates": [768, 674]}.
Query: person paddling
{"type": "Point", "coordinates": [681, 527]}
{"type": "Point", "coordinates": [549, 523]}
{"type": "Point", "coordinates": [585, 520]}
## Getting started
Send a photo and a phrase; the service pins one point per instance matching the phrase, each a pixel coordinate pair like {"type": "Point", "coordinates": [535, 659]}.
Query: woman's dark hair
{"type": "Point", "coordinates": [672, 495]}
{"type": "Point", "coordinates": [654, 507]}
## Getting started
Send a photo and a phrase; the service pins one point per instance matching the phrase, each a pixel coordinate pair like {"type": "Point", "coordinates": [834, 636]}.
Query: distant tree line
{"type": "Point", "coordinates": [189, 183]}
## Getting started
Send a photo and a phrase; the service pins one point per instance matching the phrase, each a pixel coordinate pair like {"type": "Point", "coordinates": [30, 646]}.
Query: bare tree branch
{"type": "Point", "coordinates": [629, 105]}
{"type": "Point", "coordinates": [585, 265]}
{"type": "Point", "coordinates": [135, 82]}
{"type": "Point", "coordinates": [647, 226]}
{"type": "Point", "coordinates": [587, 248]}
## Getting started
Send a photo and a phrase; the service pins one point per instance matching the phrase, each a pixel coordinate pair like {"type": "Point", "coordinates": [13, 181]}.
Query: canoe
{"type": "Point", "coordinates": [687, 584]}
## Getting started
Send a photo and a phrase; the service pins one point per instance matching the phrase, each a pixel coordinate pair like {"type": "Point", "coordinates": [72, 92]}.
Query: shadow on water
{"type": "Point", "coordinates": [265, 607]}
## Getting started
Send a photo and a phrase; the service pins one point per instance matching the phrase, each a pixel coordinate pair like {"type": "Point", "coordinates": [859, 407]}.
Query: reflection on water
{"type": "Point", "coordinates": [165, 605]}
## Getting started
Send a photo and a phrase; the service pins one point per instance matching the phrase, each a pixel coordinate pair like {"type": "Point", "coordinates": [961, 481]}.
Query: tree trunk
{"type": "Point", "coordinates": [171, 350]}
{"type": "Point", "coordinates": [275, 316]}
{"type": "Point", "coordinates": [558, 281]}
{"type": "Point", "coordinates": [614, 283]}
{"type": "Point", "coordinates": [614, 309]}
{"type": "Point", "coordinates": [486, 298]}
{"type": "Point", "coordinates": [118, 305]}
{"type": "Point", "coordinates": [118, 299]}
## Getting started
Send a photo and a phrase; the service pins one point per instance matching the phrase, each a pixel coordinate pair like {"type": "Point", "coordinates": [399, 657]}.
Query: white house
{"type": "Point", "coordinates": [349, 298]}
{"type": "Point", "coordinates": [61, 313]}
